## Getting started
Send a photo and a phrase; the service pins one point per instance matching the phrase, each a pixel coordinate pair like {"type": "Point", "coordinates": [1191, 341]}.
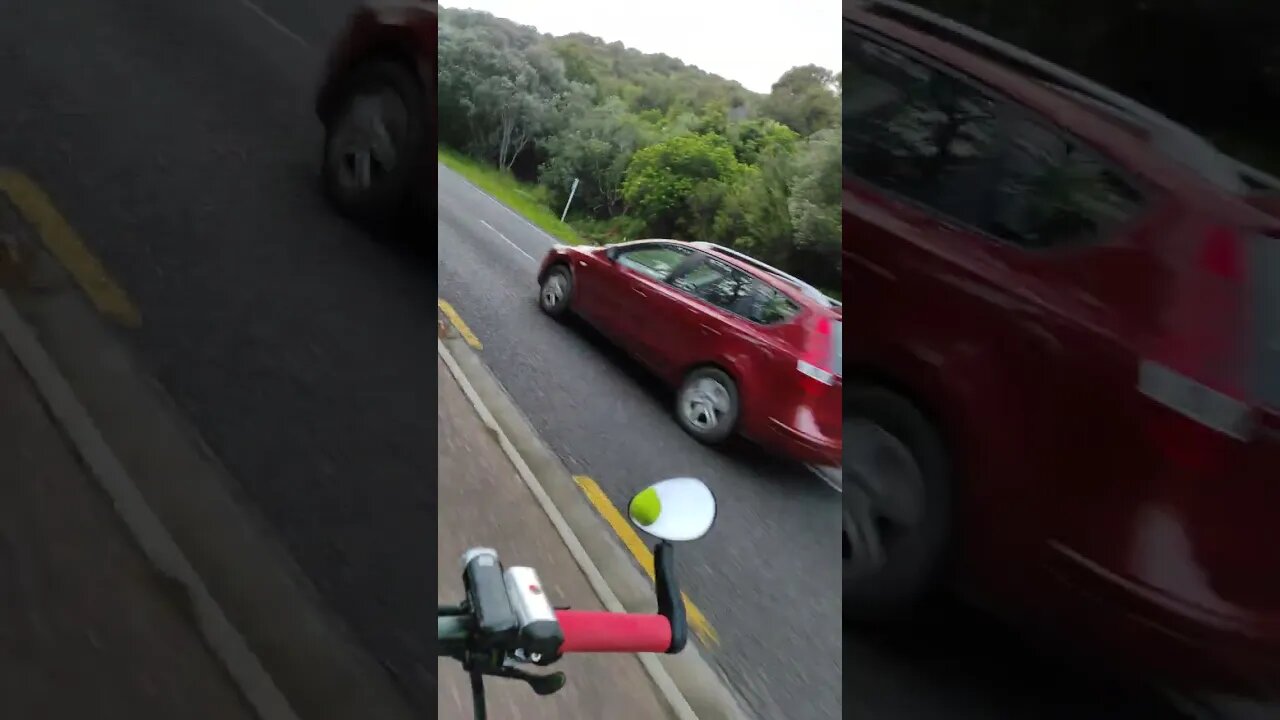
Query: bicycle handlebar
{"type": "Point", "coordinates": [506, 620]}
{"type": "Point", "coordinates": [587, 631]}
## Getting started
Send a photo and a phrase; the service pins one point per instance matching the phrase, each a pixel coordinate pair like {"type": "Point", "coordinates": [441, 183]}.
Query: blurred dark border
{"type": "Point", "coordinates": [1213, 65]}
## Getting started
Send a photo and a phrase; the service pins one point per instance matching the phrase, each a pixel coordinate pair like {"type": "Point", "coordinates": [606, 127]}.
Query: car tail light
{"type": "Point", "coordinates": [820, 361]}
{"type": "Point", "coordinates": [1213, 426]}
{"type": "Point", "coordinates": [1201, 370]}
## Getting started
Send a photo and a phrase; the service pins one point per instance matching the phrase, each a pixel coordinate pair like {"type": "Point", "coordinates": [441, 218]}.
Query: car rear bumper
{"type": "Point", "coordinates": [1179, 640]}
{"type": "Point", "coordinates": [806, 447]}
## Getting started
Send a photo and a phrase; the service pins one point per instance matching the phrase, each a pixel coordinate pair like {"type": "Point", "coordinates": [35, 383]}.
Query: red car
{"type": "Point", "coordinates": [377, 103]}
{"type": "Point", "coordinates": [1064, 379]}
{"type": "Point", "coordinates": [751, 349]}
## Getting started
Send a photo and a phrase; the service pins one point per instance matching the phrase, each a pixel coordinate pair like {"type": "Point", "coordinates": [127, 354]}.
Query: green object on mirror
{"type": "Point", "coordinates": [645, 507]}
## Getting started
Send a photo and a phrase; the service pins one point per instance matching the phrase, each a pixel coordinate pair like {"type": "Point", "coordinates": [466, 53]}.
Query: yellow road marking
{"type": "Point", "coordinates": [456, 320]}
{"type": "Point", "coordinates": [65, 244]}
{"type": "Point", "coordinates": [631, 539]}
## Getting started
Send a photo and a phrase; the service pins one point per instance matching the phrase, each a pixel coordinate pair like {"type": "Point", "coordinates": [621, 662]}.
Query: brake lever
{"type": "Point", "coordinates": [541, 684]}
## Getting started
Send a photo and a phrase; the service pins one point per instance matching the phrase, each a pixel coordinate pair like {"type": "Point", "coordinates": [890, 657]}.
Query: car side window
{"type": "Point", "coordinates": [768, 306]}
{"type": "Point", "coordinates": [714, 281]}
{"type": "Point", "coordinates": [728, 288]}
{"type": "Point", "coordinates": [1055, 192]}
{"type": "Point", "coordinates": [917, 132]}
{"type": "Point", "coordinates": [657, 261]}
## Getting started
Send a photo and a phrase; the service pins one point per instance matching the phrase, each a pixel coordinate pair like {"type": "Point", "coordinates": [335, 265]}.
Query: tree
{"type": "Point", "coordinates": [805, 99]}
{"type": "Point", "coordinates": [813, 206]}
{"type": "Point", "coordinates": [751, 139]}
{"type": "Point", "coordinates": [595, 146]}
{"type": "Point", "coordinates": [504, 95]}
{"type": "Point", "coordinates": [755, 217]}
{"type": "Point", "coordinates": [661, 179]}
{"type": "Point", "coordinates": [658, 146]}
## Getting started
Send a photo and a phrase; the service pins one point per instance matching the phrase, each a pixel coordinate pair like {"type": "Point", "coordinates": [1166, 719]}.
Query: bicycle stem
{"type": "Point", "coordinates": [478, 709]}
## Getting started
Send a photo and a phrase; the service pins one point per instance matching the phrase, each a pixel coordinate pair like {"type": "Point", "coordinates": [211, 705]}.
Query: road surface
{"type": "Point", "coordinates": [178, 138]}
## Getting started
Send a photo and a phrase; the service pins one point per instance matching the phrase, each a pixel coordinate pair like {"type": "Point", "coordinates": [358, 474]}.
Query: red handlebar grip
{"type": "Point", "coordinates": [588, 631]}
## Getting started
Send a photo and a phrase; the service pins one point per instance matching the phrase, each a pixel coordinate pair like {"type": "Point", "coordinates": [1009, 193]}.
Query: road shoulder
{"type": "Point", "coordinates": [85, 610]}
{"type": "Point", "coordinates": [290, 655]}
{"type": "Point", "coordinates": [484, 503]}
{"type": "Point", "coordinates": [688, 683]}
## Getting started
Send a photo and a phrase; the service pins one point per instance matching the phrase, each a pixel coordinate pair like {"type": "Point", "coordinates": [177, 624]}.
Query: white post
{"type": "Point", "coordinates": [572, 190]}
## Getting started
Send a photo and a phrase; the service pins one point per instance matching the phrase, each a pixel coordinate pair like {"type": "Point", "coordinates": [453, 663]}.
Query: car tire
{"type": "Point", "coordinates": [914, 562]}
{"type": "Point", "coordinates": [555, 292]}
{"type": "Point", "coordinates": [374, 142]}
{"type": "Point", "coordinates": [707, 405]}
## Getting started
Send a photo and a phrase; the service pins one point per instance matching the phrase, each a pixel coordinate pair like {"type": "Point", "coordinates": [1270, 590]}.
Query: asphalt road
{"type": "Point", "coordinates": [179, 139]}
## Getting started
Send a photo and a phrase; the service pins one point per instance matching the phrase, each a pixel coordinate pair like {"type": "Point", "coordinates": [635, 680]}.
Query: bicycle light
{"type": "Point", "coordinates": [496, 623]}
{"type": "Point", "coordinates": [540, 635]}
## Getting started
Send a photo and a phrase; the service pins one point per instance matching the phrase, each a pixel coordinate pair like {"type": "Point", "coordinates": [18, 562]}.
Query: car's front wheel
{"type": "Point", "coordinates": [555, 292]}
{"type": "Point", "coordinates": [897, 505]}
{"type": "Point", "coordinates": [374, 141]}
{"type": "Point", "coordinates": [707, 405]}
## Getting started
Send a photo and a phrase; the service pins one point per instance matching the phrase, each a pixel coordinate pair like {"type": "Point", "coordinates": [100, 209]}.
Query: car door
{"type": "Point", "coordinates": [690, 314]}
{"type": "Point", "coordinates": [978, 238]}
{"type": "Point", "coordinates": [940, 308]}
{"type": "Point", "coordinates": [622, 292]}
{"type": "Point", "coordinates": [1071, 227]}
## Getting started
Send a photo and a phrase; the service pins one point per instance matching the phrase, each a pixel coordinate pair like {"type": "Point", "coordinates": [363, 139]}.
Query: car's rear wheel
{"type": "Point", "coordinates": [374, 142]}
{"type": "Point", "coordinates": [555, 292]}
{"type": "Point", "coordinates": [897, 505]}
{"type": "Point", "coordinates": [707, 405]}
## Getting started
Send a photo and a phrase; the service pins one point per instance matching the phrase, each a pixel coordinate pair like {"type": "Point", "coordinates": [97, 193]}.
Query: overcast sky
{"type": "Point", "coordinates": [750, 41]}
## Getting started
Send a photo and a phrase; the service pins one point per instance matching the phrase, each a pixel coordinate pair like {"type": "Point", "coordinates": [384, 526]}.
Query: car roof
{"type": "Point", "coordinates": [758, 269]}
{"type": "Point", "coordinates": [1091, 110]}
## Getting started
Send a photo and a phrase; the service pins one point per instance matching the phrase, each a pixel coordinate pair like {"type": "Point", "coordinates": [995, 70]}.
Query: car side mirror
{"type": "Point", "coordinates": [611, 254]}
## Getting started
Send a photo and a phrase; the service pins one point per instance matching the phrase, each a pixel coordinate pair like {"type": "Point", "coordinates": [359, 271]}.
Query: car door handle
{"type": "Point", "coordinates": [638, 291]}
{"type": "Point", "coordinates": [710, 330]}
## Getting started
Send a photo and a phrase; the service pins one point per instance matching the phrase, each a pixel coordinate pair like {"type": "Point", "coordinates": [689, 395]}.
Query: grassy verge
{"type": "Point", "coordinates": [510, 192]}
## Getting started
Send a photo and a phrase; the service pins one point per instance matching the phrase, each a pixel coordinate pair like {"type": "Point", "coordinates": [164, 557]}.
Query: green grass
{"type": "Point", "coordinates": [511, 192]}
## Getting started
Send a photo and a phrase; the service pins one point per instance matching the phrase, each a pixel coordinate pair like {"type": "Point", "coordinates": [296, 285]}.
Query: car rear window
{"type": "Point", "coordinates": [1266, 308]}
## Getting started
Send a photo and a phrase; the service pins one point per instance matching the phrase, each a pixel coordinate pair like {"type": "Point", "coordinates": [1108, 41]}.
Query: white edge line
{"type": "Point", "coordinates": [274, 22]}
{"type": "Point", "coordinates": [226, 642]}
{"type": "Point", "coordinates": [504, 237]}
{"type": "Point", "coordinates": [496, 201]}
{"type": "Point", "coordinates": [657, 673]}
